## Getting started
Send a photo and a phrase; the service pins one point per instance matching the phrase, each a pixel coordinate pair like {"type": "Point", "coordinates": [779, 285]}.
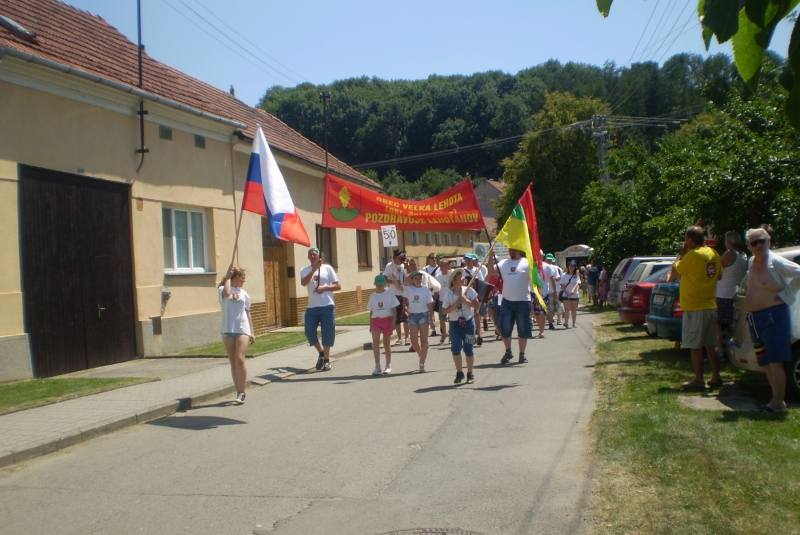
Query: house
{"type": "Point", "coordinates": [120, 196]}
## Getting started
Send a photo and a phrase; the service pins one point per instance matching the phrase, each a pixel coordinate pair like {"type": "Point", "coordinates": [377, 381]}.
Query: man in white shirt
{"type": "Point", "coordinates": [516, 307]}
{"type": "Point", "coordinates": [321, 281]}
{"type": "Point", "coordinates": [395, 272]}
{"type": "Point", "coordinates": [441, 278]}
{"type": "Point", "coordinates": [472, 270]}
{"type": "Point", "coordinates": [432, 267]}
{"type": "Point", "coordinates": [552, 275]}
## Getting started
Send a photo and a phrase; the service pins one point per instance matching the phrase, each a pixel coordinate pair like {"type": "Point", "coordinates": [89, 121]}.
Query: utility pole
{"type": "Point", "coordinates": [324, 97]}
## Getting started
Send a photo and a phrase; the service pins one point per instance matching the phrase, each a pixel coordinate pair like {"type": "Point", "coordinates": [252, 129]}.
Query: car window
{"type": "Point", "coordinates": [637, 273]}
{"type": "Point", "coordinates": [659, 275]}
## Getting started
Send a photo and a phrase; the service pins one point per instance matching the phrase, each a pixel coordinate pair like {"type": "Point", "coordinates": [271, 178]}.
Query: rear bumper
{"type": "Point", "coordinates": [669, 328]}
{"type": "Point", "coordinates": [613, 299]}
{"type": "Point", "coordinates": [635, 316]}
{"type": "Point", "coordinates": [742, 355]}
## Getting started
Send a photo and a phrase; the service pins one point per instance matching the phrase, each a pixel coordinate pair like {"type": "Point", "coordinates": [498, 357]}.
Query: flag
{"type": "Point", "coordinates": [265, 193]}
{"type": "Point", "coordinates": [516, 234]}
{"type": "Point", "coordinates": [526, 201]}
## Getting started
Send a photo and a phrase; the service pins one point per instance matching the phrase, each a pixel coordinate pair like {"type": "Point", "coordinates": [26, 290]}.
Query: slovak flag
{"type": "Point", "coordinates": [265, 193]}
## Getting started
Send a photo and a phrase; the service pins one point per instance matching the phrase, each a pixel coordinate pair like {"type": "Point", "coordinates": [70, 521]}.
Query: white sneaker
{"type": "Point", "coordinates": [239, 398]}
{"type": "Point", "coordinates": [388, 369]}
{"type": "Point", "coordinates": [377, 370]}
{"type": "Point", "coordinates": [421, 368]}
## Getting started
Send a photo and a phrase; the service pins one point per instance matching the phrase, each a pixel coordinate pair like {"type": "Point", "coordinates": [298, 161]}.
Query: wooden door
{"type": "Point", "coordinates": [77, 271]}
{"type": "Point", "coordinates": [276, 292]}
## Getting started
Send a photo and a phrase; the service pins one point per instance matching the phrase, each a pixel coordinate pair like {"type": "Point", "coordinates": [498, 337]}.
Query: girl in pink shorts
{"type": "Point", "coordinates": [381, 306]}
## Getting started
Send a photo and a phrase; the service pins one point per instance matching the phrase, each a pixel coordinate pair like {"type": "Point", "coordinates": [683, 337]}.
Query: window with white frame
{"type": "Point", "coordinates": [447, 238]}
{"type": "Point", "coordinates": [414, 237]}
{"type": "Point", "coordinates": [437, 238]}
{"type": "Point", "coordinates": [427, 238]}
{"type": "Point", "coordinates": [185, 239]}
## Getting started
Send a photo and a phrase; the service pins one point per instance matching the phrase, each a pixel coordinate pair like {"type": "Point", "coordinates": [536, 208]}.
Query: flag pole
{"type": "Point", "coordinates": [324, 96]}
{"type": "Point", "coordinates": [241, 213]}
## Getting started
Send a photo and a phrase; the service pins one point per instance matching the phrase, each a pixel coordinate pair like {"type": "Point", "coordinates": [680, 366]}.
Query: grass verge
{"type": "Point", "coordinates": [18, 395]}
{"type": "Point", "coordinates": [357, 319]}
{"type": "Point", "coordinates": [665, 468]}
{"type": "Point", "coordinates": [263, 344]}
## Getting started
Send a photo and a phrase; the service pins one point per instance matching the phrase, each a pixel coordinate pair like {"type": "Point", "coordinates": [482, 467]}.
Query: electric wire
{"type": "Point", "coordinates": [616, 84]}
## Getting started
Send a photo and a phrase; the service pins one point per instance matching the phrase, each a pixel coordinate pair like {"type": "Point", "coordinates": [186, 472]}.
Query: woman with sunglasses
{"type": "Point", "coordinates": [237, 326]}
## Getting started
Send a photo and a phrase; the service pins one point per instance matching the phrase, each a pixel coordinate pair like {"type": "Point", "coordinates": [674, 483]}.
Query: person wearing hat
{"type": "Point", "coordinates": [460, 303]}
{"type": "Point", "coordinates": [320, 281]}
{"type": "Point", "coordinates": [418, 302]}
{"type": "Point", "coordinates": [382, 307]}
{"type": "Point", "coordinates": [441, 278]}
{"type": "Point", "coordinates": [395, 273]}
{"type": "Point", "coordinates": [515, 272]}
{"type": "Point", "coordinates": [551, 275]}
{"type": "Point", "coordinates": [474, 269]}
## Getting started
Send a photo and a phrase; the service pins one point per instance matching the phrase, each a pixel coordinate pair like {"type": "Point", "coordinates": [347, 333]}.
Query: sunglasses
{"type": "Point", "coordinates": [759, 241]}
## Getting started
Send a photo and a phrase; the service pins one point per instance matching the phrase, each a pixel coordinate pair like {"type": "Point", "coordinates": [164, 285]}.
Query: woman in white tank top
{"type": "Point", "coordinates": [734, 267]}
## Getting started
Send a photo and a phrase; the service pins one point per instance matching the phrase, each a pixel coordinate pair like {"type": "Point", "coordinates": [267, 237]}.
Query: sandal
{"type": "Point", "coordinates": [540, 335]}
{"type": "Point", "coordinates": [694, 385]}
{"type": "Point", "coordinates": [497, 337]}
{"type": "Point", "coordinates": [715, 384]}
{"type": "Point", "coordinates": [398, 342]}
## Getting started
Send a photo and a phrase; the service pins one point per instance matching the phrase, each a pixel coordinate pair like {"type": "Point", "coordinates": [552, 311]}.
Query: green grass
{"type": "Point", "coordinates": [358, 319]}
{"type": "Point", "coordinates": [17, 395]}
{"type": "Point", "coordinates": [264, 344]}
{"type": "Point", "coordinates": [665, 468]}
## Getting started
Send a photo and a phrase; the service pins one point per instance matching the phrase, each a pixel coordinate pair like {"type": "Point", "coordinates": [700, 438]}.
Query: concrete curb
{"type": "Point", "coordinates": [154, 412]}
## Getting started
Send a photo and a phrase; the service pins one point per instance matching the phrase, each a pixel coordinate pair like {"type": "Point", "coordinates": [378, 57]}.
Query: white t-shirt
{"type": "Point", "coordinates": [481, 274]}
{"type": "Point", "coordinates": [418, 298]}
{"type": "Point", "coordinates": [570, 284]}
{"type": "Point", "coordinates": [516, 275]}
{"type": "Point", "coordinates": [461, 311]}
{"type": "Point", "coordinates": [548, 272]}
{"type": "Point", "coordinates": [399, 272]}
{"type": "Point", "coordinates": [325, 276]}
{"type": "Point", "coordinates": [430, 269]}
{"type": "Point", "coordinates": [442, 280]}
{"type": "Point", "coordinates": [381, 304]}
{"type": "Point", "coordinates": [234, 307]}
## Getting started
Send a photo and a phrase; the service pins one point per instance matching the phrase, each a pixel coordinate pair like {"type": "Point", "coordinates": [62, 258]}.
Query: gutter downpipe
{"type": "Point", "coordinates": [142, 112]}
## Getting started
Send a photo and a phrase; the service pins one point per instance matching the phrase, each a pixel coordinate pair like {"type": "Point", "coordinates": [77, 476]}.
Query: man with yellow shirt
{"type": "Point", "coordinates": [700, 269]}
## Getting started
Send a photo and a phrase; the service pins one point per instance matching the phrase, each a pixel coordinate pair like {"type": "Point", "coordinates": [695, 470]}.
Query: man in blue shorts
{"type": "Point", "coordinates": [516, 306]}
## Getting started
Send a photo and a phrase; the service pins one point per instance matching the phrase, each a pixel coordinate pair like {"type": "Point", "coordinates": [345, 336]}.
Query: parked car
{"type": "Point", "coordinates": [665, 319]}
{"type": "Point", "coordinates": [739, 346]}
{"type": "Point", "coordinates": [635, 303]}
{"type": "Point", "coordinates": [624, 270]}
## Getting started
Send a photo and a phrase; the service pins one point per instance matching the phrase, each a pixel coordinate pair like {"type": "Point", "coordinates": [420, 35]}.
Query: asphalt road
{"type": "Point", "coordinates": [341, 452]}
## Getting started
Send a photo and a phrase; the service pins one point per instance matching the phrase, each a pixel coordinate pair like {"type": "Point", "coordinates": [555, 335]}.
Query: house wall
{"type": "Point", "coordinates": [93, 132]}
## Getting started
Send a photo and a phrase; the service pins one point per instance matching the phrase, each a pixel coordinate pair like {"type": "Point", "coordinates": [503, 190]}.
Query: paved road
{"type": "Point", "coordinates": [340, 452]}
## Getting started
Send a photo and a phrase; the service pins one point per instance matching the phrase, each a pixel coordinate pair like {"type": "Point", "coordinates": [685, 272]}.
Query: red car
{"type": "Point", "coordinates": [635, 302]}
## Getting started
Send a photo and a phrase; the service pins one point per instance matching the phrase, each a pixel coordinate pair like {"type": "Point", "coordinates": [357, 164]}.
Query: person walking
{"type": "Point", "coordinates": [395, 272]}
{"type": "Point", "coordinates": [441, 278]}
{"type": "Point", "coordinates": [320, 281]}
{"type": "Point", "coordinates": [569, 286]}
{"type": "Point", "coordinates": [592, 279]}
{"type": "Point", "coordinates": [237, 326]}
{"type": "Point", "coordinates": [460, 303]}
{"type": "Point", "coordinates": [734, 267]}
{"type": "Point", "coordinates": [772, 312]}
{"type": "Point", "coordinates": [603, 287]}
{"type": "Point", "coordinates": [418, 301]}
{"type": "Point", "coordinates": [432, 269]}
{"type": "Point", "coordinates": [551, 274]}
{"type": "Point", "coordinates": [699, 269]}
{"type": "Point", "coordinates": [474, 269]}
{"type": "Point", "coordinates": [382, 307]}
{"type": "Point", "coordinates": [516, 307]}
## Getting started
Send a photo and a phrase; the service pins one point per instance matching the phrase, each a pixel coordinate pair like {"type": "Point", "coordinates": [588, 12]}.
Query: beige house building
{"type": "Point", "coordinates": [119, 200]}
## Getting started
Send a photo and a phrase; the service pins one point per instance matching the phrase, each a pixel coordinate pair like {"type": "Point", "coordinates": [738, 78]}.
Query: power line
{"type": "Point", "coordinates": [611, 94]}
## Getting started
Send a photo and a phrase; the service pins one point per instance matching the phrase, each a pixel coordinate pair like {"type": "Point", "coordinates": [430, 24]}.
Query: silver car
{"type": "Point", "coordinates": [625, 270]}
{"type": "Point", "coordinates": [739, 346]}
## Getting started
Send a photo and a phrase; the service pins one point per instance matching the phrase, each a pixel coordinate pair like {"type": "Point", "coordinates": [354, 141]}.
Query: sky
{"type": "Point", "coordinates": [319, 42]}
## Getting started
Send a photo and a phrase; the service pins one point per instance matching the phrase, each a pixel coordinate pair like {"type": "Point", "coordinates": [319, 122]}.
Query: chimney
{"type": "Point", "coordinates": [233, 92]}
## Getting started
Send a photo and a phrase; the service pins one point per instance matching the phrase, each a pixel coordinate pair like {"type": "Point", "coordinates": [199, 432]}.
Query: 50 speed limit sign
{"type": "Point", "coordinates": [389, 234]}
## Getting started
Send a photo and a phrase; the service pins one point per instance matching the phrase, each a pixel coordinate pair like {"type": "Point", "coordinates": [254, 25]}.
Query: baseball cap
{"type": "Point", "coordinates": [398, 252]}
{"type": "Point", "coordinates": [380, 279]}
{"type": "Point", "coordinates": [550, 257]}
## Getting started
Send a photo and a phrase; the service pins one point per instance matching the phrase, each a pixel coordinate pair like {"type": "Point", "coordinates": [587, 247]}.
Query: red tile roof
{"type": "Point", "coordinates": [82, 40]}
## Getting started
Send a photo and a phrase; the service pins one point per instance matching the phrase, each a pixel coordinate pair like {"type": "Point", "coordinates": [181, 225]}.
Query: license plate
{"type": "Point", "coordinates": [658, 299]}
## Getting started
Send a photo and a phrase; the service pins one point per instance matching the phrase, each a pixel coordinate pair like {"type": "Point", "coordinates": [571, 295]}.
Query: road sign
{"type": "Point", "coordinates": [389, 234]}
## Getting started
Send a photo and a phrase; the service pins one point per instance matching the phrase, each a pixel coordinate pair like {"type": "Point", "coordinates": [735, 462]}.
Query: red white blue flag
{"type": "Point", "coordinates": [265, 193]}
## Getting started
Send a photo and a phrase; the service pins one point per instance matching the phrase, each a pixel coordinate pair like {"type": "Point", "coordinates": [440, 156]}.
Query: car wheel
{"type": "Point", "coordinates": [793, 374]}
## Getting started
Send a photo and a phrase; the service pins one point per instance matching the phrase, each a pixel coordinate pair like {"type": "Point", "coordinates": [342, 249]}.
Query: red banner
{"type": "Point", "coordinates": [347, 205]}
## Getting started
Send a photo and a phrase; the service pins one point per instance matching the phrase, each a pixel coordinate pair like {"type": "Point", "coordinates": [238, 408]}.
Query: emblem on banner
{"type": "Point", "coordinates": [344, 213]}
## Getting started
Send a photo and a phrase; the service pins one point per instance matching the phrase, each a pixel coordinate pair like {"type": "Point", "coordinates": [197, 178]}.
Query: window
{"type": "Point", "coordinates": [414, 238]}
{"type": "Point", "coordinates": [427, 238]}
{"type": "Point", "coordinates": [459, 240]}
{"type": "Point", "coordinates": [199, 141]}
{"type": "Point", "coordinates": [447, 239]}
{"type": "Point", "coordinates": [438, 238]}
{"type": "Point", "coordinates": [327, 245]}
{"type": "Point", "coordinates": [185, 243]}
{"type": "Point", "coordinates": [362, 245]}
{"type": "Point", "coordinates": [164, 132]}
{"type": "Point", "coordinates": [471, 241]}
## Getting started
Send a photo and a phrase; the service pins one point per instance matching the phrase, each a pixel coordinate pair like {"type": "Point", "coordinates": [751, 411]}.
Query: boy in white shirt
{"type": "Point", "coordinates": [381, 306]}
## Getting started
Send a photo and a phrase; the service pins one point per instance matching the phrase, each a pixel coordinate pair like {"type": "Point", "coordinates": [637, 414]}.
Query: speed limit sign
{"type": "Point", "coordinates": [389, 233]}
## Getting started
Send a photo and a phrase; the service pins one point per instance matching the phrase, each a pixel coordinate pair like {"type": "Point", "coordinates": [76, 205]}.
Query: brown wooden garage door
{"type": "Point", "coordinates": [77, 271]}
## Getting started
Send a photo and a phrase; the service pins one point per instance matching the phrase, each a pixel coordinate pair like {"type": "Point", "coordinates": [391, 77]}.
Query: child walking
{"type": "Point", "coordinates": [237, 326]}
{"type": "Point", "coordinates": [419, 303]}
{"type": "Point", "coordinates": [382, 306]}
{"type": "Point", "coordinates": [460, 303]}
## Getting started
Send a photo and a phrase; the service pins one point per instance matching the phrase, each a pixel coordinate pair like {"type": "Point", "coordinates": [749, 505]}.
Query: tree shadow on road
{"type": "Point", "coordinates": [195, 423]}
{"type": "Point", "coordinates": [439, 388]}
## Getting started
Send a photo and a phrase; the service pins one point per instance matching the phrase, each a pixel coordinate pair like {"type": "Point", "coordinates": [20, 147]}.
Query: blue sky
{"type": "Point", "coordinates": [319, 42]}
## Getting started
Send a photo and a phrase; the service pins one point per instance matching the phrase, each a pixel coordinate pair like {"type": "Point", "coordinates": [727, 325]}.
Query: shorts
{"type": "Point", "coordinates": [725, 311]}
{"type": "Point", "coordinates": [538, 309]}
{"type": "Point", "coordinates": [519, 313]}
{"type": "Point", "coordinates": [382, 325]}
{"type": "Point", "coordinates": [400, 314]}
{"type": "Point", "coordinates": [442, 315]}
{"type": "Point", "coordinates": [234, 335]}
{"type": "Point", "coordinates": [699, 329]}
{"type": "Point", "coordinates": [325, 318]}
{"type": "Point", "coordinates": [484, 310]}
{"type": "Point", "coordinates": [420, 318]}
{"type": "Point", "coordinates": [770, 330]}
{"type": "Point", "coordinates": [592, 290]}
{"type": "Point", "coordinates": [458, 338]}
